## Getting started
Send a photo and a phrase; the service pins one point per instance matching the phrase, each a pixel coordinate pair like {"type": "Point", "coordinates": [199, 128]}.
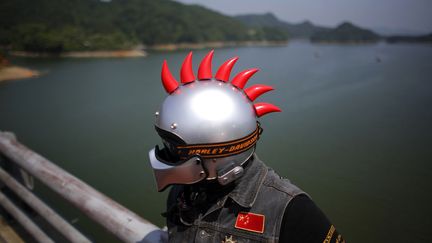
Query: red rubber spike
{"type": "Point", "coordinates": [256, 90]}
{"type": "Point", "coordinates": [168, 81]}
{"type": "Point", "coordinates": [205, 67]}
{"type": "Point", "coordinates": [264, 108]}
{"type": "Point", "coordinates": [224, 70]}
{"type": "Point", "coordinates": [241, 79]}
{"type": "Point", "coordinates": [186, 72]}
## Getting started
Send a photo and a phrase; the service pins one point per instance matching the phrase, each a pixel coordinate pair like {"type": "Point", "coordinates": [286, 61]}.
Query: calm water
{"type": "Point", "coordinates": [355, 132]}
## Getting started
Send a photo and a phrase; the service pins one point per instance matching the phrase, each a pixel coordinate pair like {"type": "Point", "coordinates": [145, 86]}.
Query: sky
{"type": "Point", "coordinates": [393, 16]}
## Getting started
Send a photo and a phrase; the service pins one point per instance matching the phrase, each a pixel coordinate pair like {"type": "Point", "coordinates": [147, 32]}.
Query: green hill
{"type": "Point", "coordinates": [268, 20]}
{"type": "Point", "coordinates": [346, 33]}
{"type": "Point", "coordinates": [70, 25]}
{"type": "Point", "coordinates": [302, 30]}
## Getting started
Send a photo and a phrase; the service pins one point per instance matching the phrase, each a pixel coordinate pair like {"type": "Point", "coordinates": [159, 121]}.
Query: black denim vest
{"type": "Point", "coordinates": [260, 191]}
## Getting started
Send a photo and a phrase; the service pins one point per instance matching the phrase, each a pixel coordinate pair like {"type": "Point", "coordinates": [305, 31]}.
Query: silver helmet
{"type": "Point", "coordinates": [208, 125]}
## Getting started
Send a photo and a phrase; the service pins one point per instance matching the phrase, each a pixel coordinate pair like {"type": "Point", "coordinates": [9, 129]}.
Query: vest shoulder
{"type": "Point", "coordinates": [275, 182]}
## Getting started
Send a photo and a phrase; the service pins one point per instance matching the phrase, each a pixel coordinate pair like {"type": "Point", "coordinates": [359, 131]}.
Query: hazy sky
{"type": "Point", "coordinates": [405, 15]}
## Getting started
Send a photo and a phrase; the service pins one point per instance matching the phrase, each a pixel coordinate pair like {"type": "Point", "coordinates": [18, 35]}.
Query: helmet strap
{"type": "Point", "coordinates": [220, 150]}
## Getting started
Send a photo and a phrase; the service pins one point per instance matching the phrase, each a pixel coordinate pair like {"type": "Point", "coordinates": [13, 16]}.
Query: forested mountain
{"type": "Point", "coordinates": [346, 32]}
{"type": "Point", "coordinates": [302, 30]}
{"type": "Point", "coordinates": [76, 25]}
{"type": "Point", "coordinates": [343, 33]}
{"type": "Point", "coordinates": [67, 25]}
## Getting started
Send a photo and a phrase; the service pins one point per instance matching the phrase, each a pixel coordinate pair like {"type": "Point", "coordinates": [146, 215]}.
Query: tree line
{"type": "Point", "coordinates": [76, 25]}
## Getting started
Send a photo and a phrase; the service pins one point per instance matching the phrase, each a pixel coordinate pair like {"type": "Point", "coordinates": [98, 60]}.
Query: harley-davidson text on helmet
{"type": "Point", "coordinates": [208, 125]}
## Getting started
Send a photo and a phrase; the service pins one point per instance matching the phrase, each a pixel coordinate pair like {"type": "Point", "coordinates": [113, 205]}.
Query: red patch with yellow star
{"type": "Point", "coordinates": [250, 222]}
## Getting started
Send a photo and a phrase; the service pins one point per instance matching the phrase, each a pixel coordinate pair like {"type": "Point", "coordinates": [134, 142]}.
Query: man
{"type": "Point", "coordinates": [221, 190]}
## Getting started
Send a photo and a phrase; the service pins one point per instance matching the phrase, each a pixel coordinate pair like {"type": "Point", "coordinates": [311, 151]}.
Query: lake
{"type": "Point", "coordinates": [355, 131]}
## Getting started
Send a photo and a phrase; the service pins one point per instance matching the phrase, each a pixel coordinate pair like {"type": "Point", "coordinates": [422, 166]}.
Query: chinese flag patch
{"type": "Point", "coordinates": [250, 222]}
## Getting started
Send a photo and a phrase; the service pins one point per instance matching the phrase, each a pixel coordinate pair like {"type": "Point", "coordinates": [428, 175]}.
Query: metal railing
{"type": "Point", "coordinates": [121, 222]}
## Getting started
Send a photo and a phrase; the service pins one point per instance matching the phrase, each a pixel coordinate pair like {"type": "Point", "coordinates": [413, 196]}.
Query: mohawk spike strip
{"type": "Point", "coordinates": [186, 72]}
{"type": "Point", "coordinates": [256, 90]}
{"type": "Point", "coordinates": [264, 108]}
{"type": "Point", "coordinates": [224, 70]}
{"type": "Point", "coordinates": [241, 79]}
{"type": "Point", "coordinates": [168, 81]}
{"type": "Point", "coordinates": [205, 67]}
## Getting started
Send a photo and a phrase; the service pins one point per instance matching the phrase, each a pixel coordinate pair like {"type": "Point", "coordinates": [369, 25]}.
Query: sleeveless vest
{"type": "Point", "coordinates": [251, 212]}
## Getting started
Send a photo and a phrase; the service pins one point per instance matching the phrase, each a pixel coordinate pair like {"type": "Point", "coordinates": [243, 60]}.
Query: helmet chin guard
{"type": "Point", "coordinates": [209, 126]}
{"type": "Point", "coordinates": [188, 172]}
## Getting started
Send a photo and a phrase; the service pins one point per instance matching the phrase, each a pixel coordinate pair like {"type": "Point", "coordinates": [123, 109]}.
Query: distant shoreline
{"type": "Point", "coordinates": [83, 54]}
{"type": "Point", "coordinates": [9, 73]}
{"type": "Point", "coordinates": [215, 44]}
{"type": "Point", "coordinates": [142, 52]}
{"type": "Point", "coordinates": [347, 42]}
